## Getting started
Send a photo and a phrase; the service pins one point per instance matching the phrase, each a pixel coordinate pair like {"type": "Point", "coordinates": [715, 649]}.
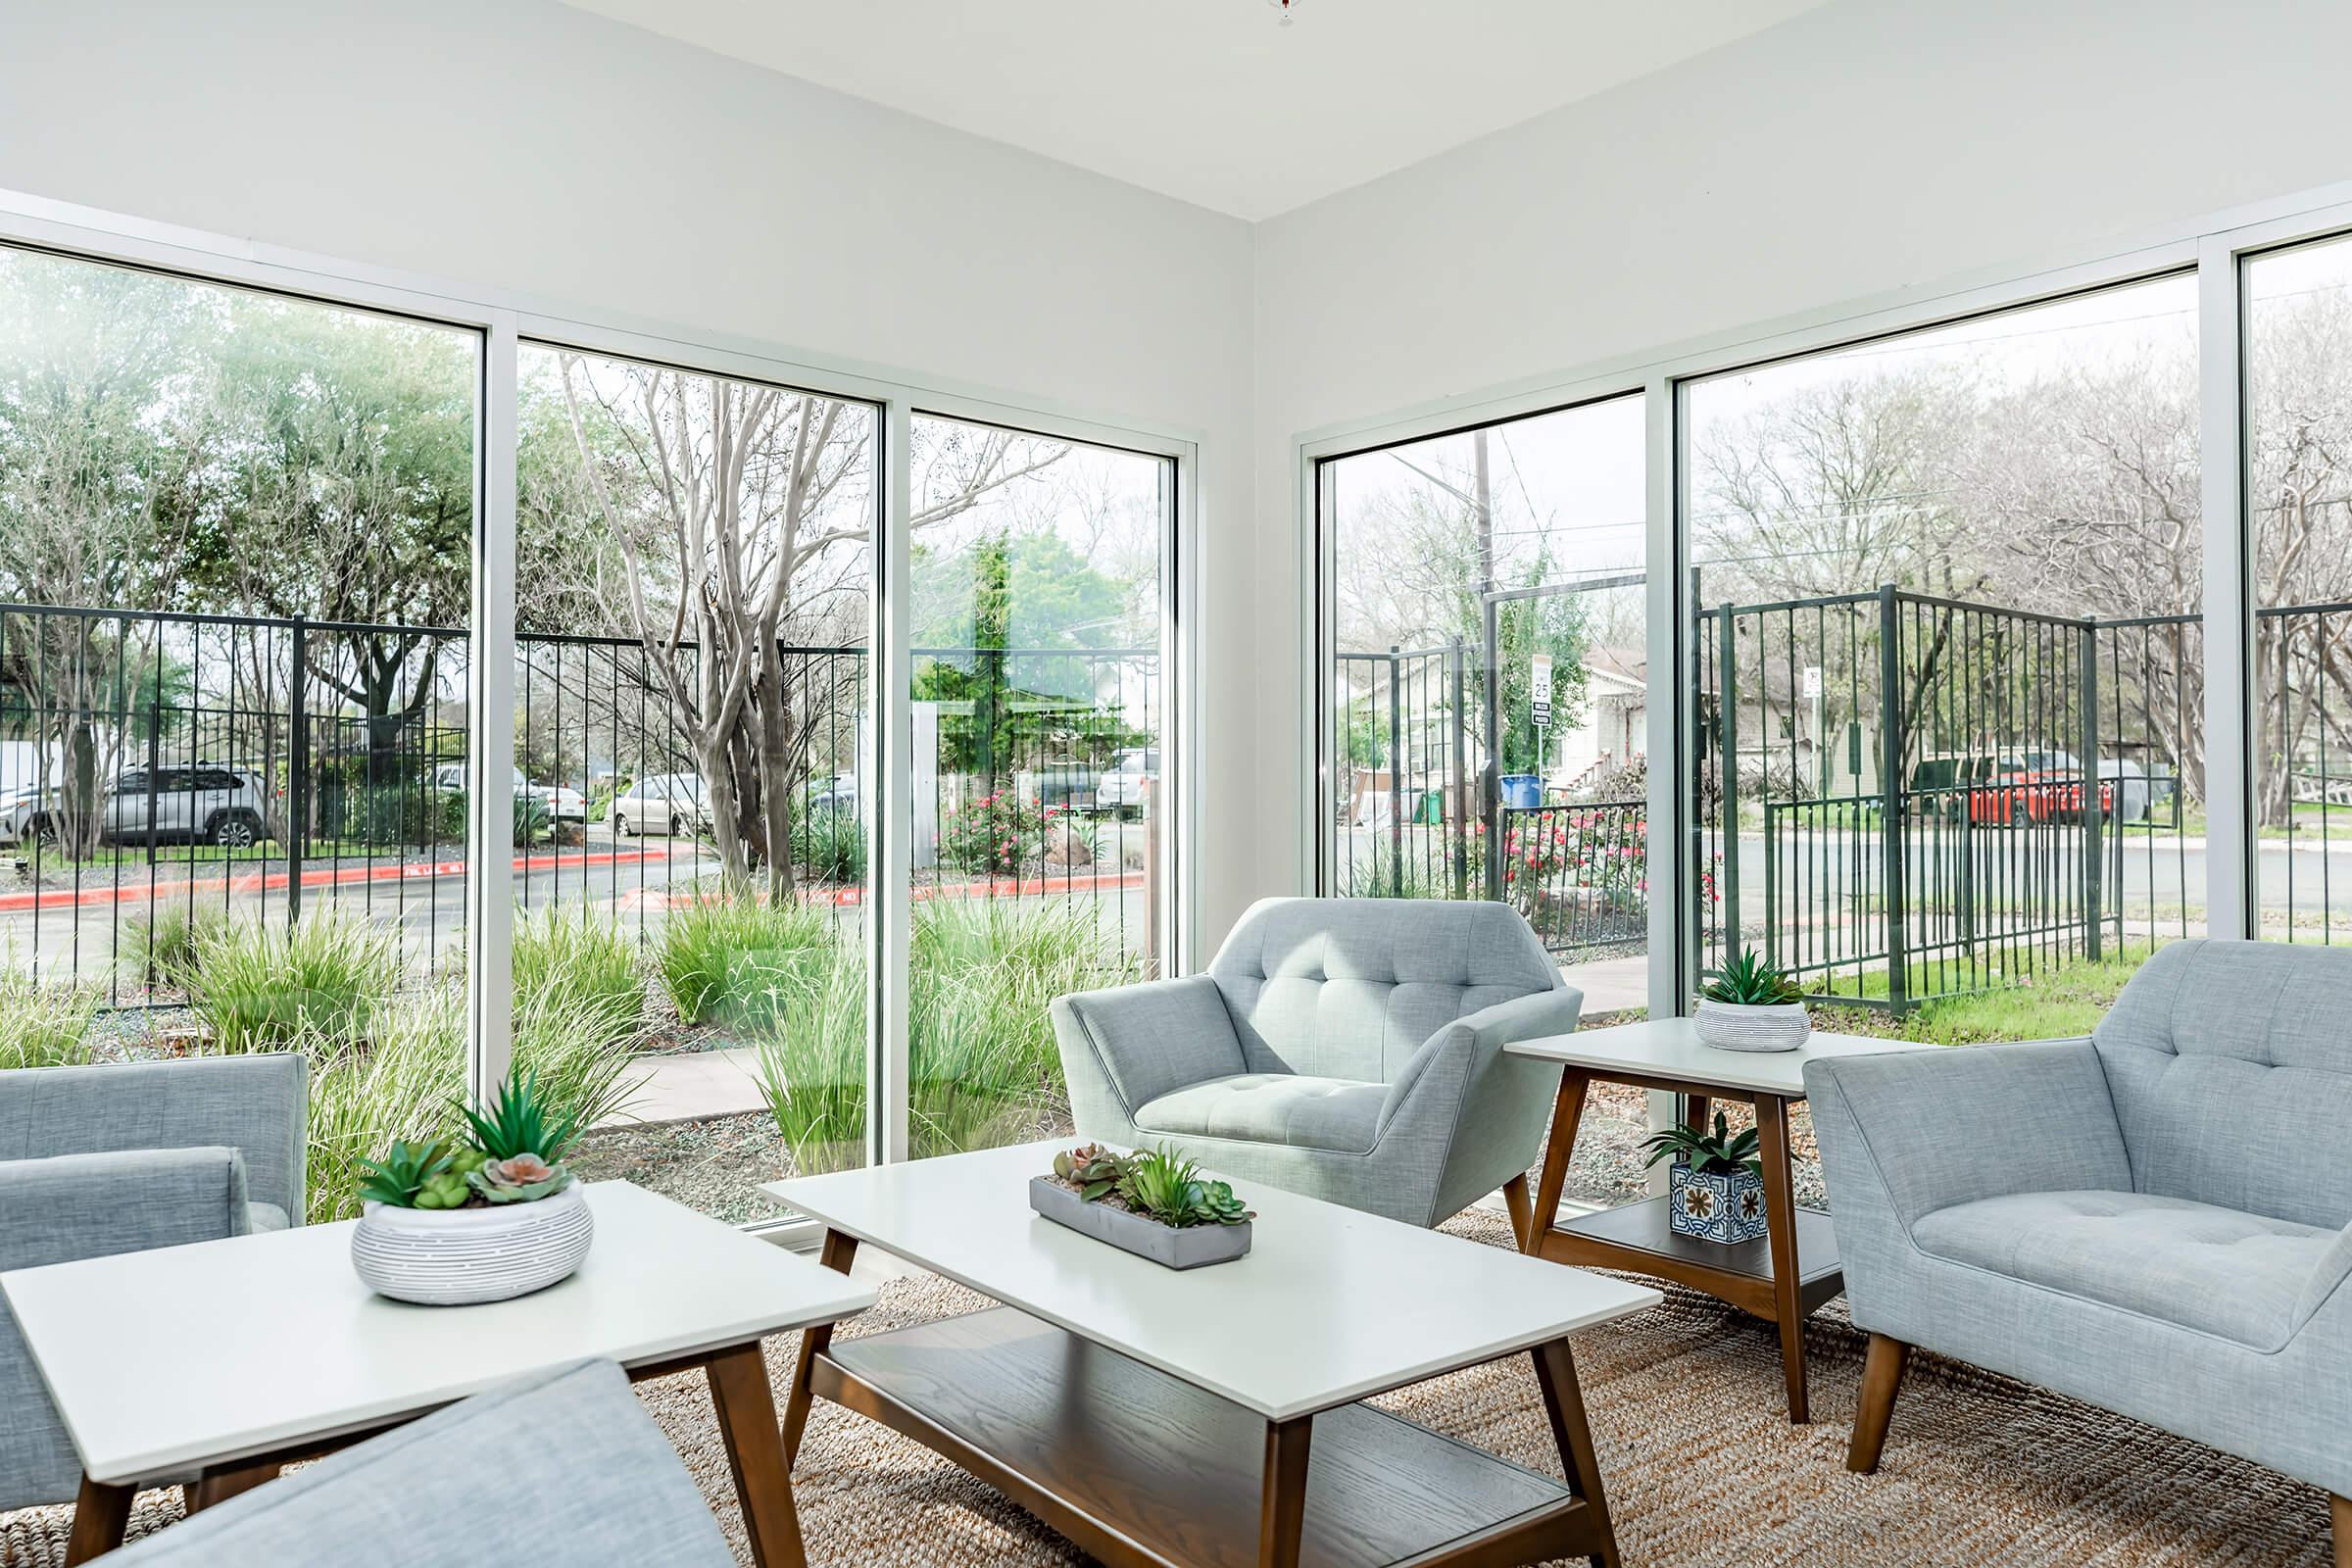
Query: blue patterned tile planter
{"type": "Point", "coordinates": [1716, 1209]}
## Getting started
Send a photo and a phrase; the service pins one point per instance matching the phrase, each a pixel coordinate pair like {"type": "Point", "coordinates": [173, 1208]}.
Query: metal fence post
{"type": "Point", "coordinates": [1396, 769]}
{"type": "Point", "coordinates": [1456, 808]}
{"type": "Point", "coordinates": [2090, 815]}
{"type": "Point", "coordinates": [1489, 777]}
{"type": "Point", "coordinates": [1890, 816]}
{"type": "Point", "coordinates": [1727, 763]}
{"type": "Point", "coordinates": [298, 769]}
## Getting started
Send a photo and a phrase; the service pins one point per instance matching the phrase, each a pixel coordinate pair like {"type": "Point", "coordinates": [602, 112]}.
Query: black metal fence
{"type": "Point", "coordinates": [1904, 797]}
{"type": "Point", "coordinates": [158, 769]}
{"type": "Point", "coordinates": [1417, 814]}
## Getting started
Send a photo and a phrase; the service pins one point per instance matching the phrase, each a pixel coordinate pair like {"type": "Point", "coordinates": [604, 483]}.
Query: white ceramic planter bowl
{"type": "Point", "coordinates": [454, 1257]}
{"type": "Point", "coordinates": [1738, 1026]}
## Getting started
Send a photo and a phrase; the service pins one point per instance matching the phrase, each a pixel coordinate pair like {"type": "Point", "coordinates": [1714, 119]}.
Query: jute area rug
{"type": "Point", "coordinates": [1702, 1468]}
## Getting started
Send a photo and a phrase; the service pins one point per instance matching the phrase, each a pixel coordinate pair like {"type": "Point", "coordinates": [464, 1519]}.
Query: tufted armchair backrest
{"type": "Point", "coordinates": [1350, 988]}
{"type": "Point", "coordinates": [2230, 1067]}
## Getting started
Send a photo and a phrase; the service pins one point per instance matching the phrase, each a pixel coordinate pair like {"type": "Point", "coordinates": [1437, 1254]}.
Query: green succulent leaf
{"type": "Point", "coordinates": [402, 1174]}
{"type": "Point", "coordinates": [519, 1120]}
{"type": "Point", "coordinates": [1748, 980]}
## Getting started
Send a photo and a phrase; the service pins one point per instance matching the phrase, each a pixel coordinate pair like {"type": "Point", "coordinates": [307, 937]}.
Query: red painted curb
{"type": "Point", "coordinates": [120, 893]}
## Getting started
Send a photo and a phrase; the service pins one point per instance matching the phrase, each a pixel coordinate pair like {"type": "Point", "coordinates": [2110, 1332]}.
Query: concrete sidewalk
{"type": "Point", "coordinates": [688, 1086]}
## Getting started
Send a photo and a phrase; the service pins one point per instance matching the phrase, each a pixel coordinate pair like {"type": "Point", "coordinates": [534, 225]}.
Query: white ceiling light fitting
{"type": "Point", "coordinates": [1283, 6]}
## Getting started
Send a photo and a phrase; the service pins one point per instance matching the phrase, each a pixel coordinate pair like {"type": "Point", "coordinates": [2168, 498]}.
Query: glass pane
{"type": "Point", "coordinates": [2299, 416]}
{"type": "Point", "coordinates": [1040, 787]}
{"type": "Point", "coordinates": [1949, 667]}
{"type": "Point", "coordinates": [1490, 583]}
{"type": "Point", "coordinates": [236, 541]}
{"type": "Point", "coordinates": [692, 734]}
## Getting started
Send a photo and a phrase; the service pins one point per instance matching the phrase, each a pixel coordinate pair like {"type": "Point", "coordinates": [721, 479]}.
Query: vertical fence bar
{"type": "Point", "coordinates": [2091, 813]}
{"type": "Point", "coordinates": [1726, 758]}
{"type": "Point", "coordinates": [1891, 783]}
{"type": "Point", "coordinates": [1395, 769]}
{"type": "Point", "coordinates": [298, 765]}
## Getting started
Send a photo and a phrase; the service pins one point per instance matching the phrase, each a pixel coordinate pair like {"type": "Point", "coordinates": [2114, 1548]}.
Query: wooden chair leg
{"type": "Point", "coordinates": [101, 1514]}
{"type": "Point", "coordinates": [1882, 1375]}
{"type": "Point", "coordinates": [1522, 1208]}
{"type": "Point", "coordinates": [1580, 1460]}
{"type": "Point", "coordinates": [1282, 1516]}
{"type": "Point", "coordinates": [2340, 1514]}
{"type": "Point", "coordinates": [747, 1421]}
{"type": "Point", "coordinates": [839, 1251]}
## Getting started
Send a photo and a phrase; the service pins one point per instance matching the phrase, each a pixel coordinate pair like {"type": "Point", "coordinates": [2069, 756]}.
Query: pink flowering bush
{"type": "Point", "coordinates": [996, 835]}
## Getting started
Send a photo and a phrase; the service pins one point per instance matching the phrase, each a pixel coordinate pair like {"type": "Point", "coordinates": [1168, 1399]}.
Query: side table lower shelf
{"type": "Point", "coordinates": [1639, 1238]}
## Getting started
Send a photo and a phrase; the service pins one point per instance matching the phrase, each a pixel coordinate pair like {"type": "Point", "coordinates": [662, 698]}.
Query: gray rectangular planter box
{"type": "Point", "coordinates": [1193, 1247]}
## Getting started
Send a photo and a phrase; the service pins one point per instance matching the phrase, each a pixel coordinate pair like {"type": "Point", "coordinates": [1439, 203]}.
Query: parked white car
{"type": "Point", "coordinates": [664, 805]}
{"type": "Point", "coordinates": [560, 803]}
{"type": "Point", "coordinates": [190, 802]}
{"type": "Point", "coordinates": [1121, 790]}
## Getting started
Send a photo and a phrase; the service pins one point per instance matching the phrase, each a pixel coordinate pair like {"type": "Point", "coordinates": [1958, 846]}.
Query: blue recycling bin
{"type": "Point", "coordinates": [1522, 792]}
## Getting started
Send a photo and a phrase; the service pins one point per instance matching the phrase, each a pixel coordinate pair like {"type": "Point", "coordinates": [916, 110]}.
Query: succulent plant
{"type": "Point", "coordinates": [520, 1121]}
{"type": "Point", "coordinates": [443, 1190]}
{"type": "Point", "coordinates": [1214, 1204]}
{"type": "Point", "coordinates": [519, 1179]}
{"type": "Point", "coordinates": [1719, 1156]}
{"type": "Point", "coordinates": [1749, 981]}
{"type": "Point", "coordinates": [1096, 1172]}
{"type": "Point", "coordinates": [401, 1176]}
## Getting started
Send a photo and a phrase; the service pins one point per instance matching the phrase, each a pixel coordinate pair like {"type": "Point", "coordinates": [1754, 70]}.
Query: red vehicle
{"type": "Point", "coordinates": [2010, 790]}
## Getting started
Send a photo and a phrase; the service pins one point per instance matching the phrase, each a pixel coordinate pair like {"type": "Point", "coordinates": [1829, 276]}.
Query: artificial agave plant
{"type": "Point", "coordinates": [1751, 982]}
{"type": "Point", "coordinates": [1161, 1185]}
{"type": "Point", "coordinates": [515, 1156]}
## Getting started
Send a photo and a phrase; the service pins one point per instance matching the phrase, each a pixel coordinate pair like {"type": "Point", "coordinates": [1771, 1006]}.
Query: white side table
{"type": "Point", "coordinates": [1783, 1279]}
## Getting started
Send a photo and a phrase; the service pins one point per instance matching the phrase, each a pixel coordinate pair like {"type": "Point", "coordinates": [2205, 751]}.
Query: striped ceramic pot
{"type": "Point", "coordinates": [1742, 1026]}
{"type": "Point", "coordinates": [453, 1257]}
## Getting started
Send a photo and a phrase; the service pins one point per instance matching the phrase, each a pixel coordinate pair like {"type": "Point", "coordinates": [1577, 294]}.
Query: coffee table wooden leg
{"type": "Point", "coordinates": [217, 1486]}
{"type": "Point", "coordinates": [1566, 1112]}
{"type": "Point", "coordinates": [839, 1252]}
{"type": "Point", "coordinates": [1780, 1219]}
{"type": "Point", "coordinates": [1697, 1110]}
{"type": "Point", "coordinates": [747, 1420]}
{"type": "Point", "coordinates": [1284, 1517]}
{"type": "Point", "coordinates": [101, 1514]}
{"type": "Point", "coordinates": [1580, 1462]}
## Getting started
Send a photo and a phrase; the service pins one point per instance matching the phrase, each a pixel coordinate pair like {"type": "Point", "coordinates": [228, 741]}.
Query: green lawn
{"type": "Point", "coordinates": [2048, 1002]}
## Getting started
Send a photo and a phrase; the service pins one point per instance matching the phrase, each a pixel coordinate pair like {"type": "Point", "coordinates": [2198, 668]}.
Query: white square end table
{"type": "Point", "coordinates": [1783, 1279]}
{"type": "Point", "coordinates": [229, 1359]}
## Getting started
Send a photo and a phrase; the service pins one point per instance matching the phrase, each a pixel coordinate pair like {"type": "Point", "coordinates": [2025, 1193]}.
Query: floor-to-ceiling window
{"type": "Point", "coordinates": [236, 548]}
{"type": "Point", "coordinates": [1948, 661]}
{"type": "Point", "coordinates": [2298, 363]}
{"type": "Point", "coordinates": [1040, 761]}
{"type": "Point", "coordinates": [1486, 723]}
{"type": "Point", "coordinates": [692, 629]}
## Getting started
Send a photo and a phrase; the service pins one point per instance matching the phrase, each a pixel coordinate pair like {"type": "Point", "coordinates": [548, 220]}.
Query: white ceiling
{"type": "Point", "coordinates": [1215, 101]}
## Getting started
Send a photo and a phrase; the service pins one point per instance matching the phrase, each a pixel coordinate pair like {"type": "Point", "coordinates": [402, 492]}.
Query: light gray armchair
{"type": "Point", "coordinates": [562, 1467]}
{"type": "Point", "coordinates": [99, 1161]}
{"type": "Point", "coordinates": [1348, 1048]}
{"type": "Point", "coordinates": [2153, 1219]}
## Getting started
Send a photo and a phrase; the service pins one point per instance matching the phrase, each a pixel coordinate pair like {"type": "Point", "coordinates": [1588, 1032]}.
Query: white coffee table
{"type": "Point", "coordinates": [228, 1359]}
{"type": "Point", "coordinates": [1163, 1418]}
{"type": "Point", "coordinates": [1783, 1279]}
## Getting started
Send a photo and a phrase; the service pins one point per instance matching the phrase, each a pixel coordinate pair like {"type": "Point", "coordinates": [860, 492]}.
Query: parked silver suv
{"type": "Point", "coordinates": [194, 802]}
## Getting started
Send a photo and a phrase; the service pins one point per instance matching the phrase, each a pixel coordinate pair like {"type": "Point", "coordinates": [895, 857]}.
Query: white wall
{"type": "Point", "coordinates": [1869, 146]}
{"type": "Point", "coordinates": [519, 145]}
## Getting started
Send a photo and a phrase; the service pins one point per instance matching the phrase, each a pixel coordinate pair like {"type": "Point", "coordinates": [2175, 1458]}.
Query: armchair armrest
{"type": "Point", "coordinates": [1912, 1132]}
{"type": "Point", "coordinates": [257, 1105]}
{"type": "Point", "coordinates": [1471, 1108]}
{"type": "Point", "coordinates": [71, 1207]}
{"type": "Point", "coordinates": [2328, 1284]}
{"type": "Point", "coordinates": [1127, 1046]}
